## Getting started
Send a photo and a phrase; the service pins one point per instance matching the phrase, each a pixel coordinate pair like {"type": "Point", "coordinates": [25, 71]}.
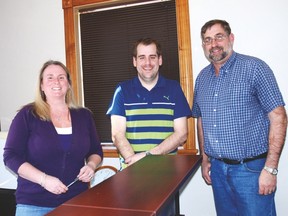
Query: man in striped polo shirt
{"type": "Point", "coordinates": [148, 113]}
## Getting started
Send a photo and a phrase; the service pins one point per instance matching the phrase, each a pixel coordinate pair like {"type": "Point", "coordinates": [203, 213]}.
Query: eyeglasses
{"type": "Point", "coordinates": [217, 38]}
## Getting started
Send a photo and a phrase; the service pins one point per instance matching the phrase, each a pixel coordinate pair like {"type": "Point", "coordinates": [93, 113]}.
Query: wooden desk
{"type": "Point", "coordinates": [67, 210]}
{"type": "Point", "coordinates": [145, 188]}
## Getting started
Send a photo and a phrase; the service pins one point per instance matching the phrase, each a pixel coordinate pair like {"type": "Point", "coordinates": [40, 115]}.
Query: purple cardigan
{"type": "Point", "coordinates": [37, 142]}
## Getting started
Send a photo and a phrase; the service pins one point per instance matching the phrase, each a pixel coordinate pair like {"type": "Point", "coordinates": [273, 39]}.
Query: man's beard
{"type": "Point", "coordinates": [216, 58]}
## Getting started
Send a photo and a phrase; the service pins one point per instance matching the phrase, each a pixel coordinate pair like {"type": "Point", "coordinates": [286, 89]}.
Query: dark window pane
{"type": "Point", "coordinates": [106, 40]}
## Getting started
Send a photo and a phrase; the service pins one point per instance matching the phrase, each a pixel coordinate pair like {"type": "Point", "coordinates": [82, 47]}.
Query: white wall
{"type": "Point", "coordinates": [32, 32]}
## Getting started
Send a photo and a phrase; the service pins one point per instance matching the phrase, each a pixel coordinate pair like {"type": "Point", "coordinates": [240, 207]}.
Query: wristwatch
{"type": "Point", "coordinates": [271, 170]}
{"type": "Point", "coordinates": [148, 153]}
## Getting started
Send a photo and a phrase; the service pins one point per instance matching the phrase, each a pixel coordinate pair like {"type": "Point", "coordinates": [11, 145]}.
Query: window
{"type": "Point", "coordinates": [106, 40]}
{"type": "Point", "coordinates": [73, 22]}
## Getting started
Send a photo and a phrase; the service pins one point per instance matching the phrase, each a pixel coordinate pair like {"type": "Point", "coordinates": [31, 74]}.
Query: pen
{"type": "Point", "coordinates": [75, 180]}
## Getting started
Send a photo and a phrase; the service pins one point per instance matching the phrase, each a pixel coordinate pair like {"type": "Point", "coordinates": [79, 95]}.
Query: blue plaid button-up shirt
{"type": "Point", "coordinates": [234, 107]}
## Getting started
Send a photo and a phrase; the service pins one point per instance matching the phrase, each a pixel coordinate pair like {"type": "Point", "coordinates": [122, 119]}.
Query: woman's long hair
{"type": "Point", "coordinates": [40, 106]}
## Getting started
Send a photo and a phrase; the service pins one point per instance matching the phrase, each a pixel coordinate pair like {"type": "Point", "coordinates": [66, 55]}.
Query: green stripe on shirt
{"type": "Point", "coordinates": [150, 123]}
{"type": "Point", "coordinates": [149, 112]}
{"type": "Point", "coordinates": [148, 135]}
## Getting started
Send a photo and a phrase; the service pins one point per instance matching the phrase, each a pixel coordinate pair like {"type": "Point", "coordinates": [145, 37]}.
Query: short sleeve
{"type": "Point", "coordinates": [117, 103]}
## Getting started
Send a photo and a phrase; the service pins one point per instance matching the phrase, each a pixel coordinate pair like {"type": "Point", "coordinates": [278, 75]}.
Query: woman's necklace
{"type": "Point", "coordinates": [59, 118]}
{"type": "Point", "coordinates": [62, 119]}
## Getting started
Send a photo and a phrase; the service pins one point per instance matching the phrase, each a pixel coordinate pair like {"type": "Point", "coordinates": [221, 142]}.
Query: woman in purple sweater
{"type": "Point", "coordinates": [50, 143]}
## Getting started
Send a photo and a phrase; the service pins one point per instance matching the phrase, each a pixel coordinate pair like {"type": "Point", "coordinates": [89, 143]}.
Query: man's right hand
{"type": "Point", "coordinates": [134, 158]}
{"type": "Point", "coordinates": [205, 168]}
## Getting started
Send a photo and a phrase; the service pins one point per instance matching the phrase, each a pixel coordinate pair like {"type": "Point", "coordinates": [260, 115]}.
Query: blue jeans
{"type": "Point", "coordinates": [29, 210]}
{"type": "Point", "coordinates": [236, 189]}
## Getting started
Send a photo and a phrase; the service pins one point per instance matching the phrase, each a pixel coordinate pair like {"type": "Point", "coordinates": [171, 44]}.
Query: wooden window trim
{"type": "Point", "coordinates": [71, 9]}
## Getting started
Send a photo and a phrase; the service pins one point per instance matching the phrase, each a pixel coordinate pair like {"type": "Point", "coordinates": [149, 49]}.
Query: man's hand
{"type": "Point", "coordinates": [267, 183]}
{"type": "Point", "coordinates": [134, 158]}
{"type": "Point", "coordinates": [205, 168]}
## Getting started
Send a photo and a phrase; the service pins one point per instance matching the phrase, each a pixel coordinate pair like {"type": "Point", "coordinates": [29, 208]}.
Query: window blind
{"type": "Point", "coordinates": [106, 39]}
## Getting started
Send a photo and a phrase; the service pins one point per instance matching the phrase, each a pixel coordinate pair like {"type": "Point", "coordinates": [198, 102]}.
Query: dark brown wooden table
{"type": "Point", "coordinates": [145, 188]}
{"type": "Point", "coordinates": [67, 210]}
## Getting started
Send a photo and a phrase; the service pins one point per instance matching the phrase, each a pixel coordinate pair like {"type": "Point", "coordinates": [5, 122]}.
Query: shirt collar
{"type": "Point", "coordinates": [160, 83]}
{"type": "Point", "coordinates": [229, 62]}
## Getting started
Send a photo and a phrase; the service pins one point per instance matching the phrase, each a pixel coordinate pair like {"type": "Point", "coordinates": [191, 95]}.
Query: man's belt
{"type": "Point", "coordinates": [235, 162]}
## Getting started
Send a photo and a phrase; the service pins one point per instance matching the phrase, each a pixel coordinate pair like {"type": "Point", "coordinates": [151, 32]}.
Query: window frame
{"type": "Point", "coordinates": [71, 10]}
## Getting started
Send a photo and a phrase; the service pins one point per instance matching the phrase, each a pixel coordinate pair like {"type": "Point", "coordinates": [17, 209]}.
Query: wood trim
{"type": "Point", "coordinates": [185, 64]}
{"type": "Point", "coordinates": [70, 46]}
{"type": "Point", "coordinates": [111, 153]}
{"type": "Point", "coordinates": [107, 167]}
{"type": "Point", "coordinates": [71, 8]}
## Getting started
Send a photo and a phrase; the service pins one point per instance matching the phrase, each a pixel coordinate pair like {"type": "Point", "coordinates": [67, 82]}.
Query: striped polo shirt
{"type": "Point", "coordinates": [149, 114]}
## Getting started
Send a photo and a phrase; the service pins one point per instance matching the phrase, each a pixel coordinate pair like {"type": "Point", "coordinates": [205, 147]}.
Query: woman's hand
{"type": "Point", "coordinates": [53, 185]}
{"type": "Point", "coordinates": [86, 173]}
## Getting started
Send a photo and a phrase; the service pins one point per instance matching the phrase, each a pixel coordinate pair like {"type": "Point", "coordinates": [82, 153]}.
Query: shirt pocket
{"type": "Point", "coordinates": [241, 95]}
